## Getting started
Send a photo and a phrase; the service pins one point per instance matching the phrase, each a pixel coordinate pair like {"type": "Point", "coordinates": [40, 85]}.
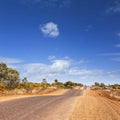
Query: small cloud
{"type": "Point", "coordinates": [118, 34]}
{"type": "Point", "coordinates": [118, 45]}
{"type": "Point", "coordinates": [50, 29]}
{"type": "Point", "coordinates": [65, 3]}
{"type": "Point", "coordinates": [9, 60]}
{"type": "Point", "coordinates": [88, 28]}
{"type": "Point", "coordinates": [116, 59]}
{"type": "Point", "coordinates": [60, 65]}
{"type": "Point", "coordinates": [51, 57]}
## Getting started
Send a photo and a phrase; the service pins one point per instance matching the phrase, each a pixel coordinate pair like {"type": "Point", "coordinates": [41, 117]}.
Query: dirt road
{"type": "Point", "coordinates": [40, 107]}
{"type": "Point", "coordinates": [96, 106]}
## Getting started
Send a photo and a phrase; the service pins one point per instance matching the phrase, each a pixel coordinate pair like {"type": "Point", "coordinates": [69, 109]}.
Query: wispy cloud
{"type": "Point", "coordinates": [65, 3]}
{"type": "Point", "coordinates": [109, 54]}
{"type": "Point", "coordinates": [118, 34]}
{"type": "Point", "coordinates": [62, 69]}
{"type": "Point", "coordinates": [85, 72]}
{"type": "Point", "coordinates": [48, 3]}
{"type": "Point", "coordinates": [115, 7]}
{"type": "Point", "coordinates": [51, 57]}
{"type": "Point", "coordinates": [113, 56]}
{"type": "Point", "coordinates": [117, 59]}
{"type": "Point", "coordinates": [10, 60]}
{"type": "Point", "coordinates": [50, 29]}
{"type": "Point", "coordinates": [118, 45]}
{"type": "Point", "coordinates": [88, 28]}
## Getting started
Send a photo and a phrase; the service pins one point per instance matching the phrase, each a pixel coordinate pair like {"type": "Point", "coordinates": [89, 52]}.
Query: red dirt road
{"type": "Point", "coordinates": [96, 105]}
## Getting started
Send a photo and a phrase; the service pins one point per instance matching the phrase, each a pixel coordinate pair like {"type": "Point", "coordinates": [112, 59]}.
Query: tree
{"type": "Point", "coordinates": [3, 71]}
{"type": "Point", "coordinates": [24, 80]}
{"type": "Point", "coordinates": [12, 78]}
{"type": "Point", "coordinates": [69, 84]}
{"type": "Point", "coordinates": [8, 76]}
{"type": "Point", "coordinates": [24, 83]}
{"type": "Point", "coordinates": [55, 81]}
{"type": "Point", "coordinates": [102, 85]}
{"type": "Point", "coordinates": [44, 81]}
{"type": "Point", "coordinates": [96, 84]}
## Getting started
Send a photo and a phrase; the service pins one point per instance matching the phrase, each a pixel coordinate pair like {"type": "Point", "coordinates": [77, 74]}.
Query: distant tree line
{"type": "Point", "coordinates": [10, 79]}
{"type": "Point", "coordinates": [68, 84]}
{"type": "Point", "coordinates": [103, 86]}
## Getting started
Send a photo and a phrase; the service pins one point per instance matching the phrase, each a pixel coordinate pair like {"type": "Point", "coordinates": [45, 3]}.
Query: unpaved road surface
{"type": "Point", "coordinates": [40, 107]}
{"type": "Point", "coordinates": [96, 106]}
{"type": "Point", "coordinates": [11, 97]}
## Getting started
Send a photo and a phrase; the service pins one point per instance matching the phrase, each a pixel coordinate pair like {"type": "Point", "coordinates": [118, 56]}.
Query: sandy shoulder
{"type": "Point", "coordinates": [93, 106]}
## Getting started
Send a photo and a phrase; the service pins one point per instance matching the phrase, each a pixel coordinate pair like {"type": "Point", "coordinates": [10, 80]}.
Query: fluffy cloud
{"type": "Point", "coordinates": [38, 71]}
{"type": "Point", "coordinates": [9, 60]}
{"type": "Point", "coordinates": [60, 65]}
{"type": "Point", "coordinates": [50, 29]}
{"type": "Point", "coordinates": [63, 69]}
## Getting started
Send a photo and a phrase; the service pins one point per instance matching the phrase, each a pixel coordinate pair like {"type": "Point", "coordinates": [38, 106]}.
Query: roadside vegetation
{"type": "Point", "coordinates": [10, 83]}
{"type": "Point", "coordinates": [110, 91]}
{"type": "Point", "coordinates": [102, 86]}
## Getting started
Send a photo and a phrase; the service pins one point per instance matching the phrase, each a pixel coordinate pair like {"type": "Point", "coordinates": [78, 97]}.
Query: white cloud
{"type": "Point", "coordinates": [60, 65]}
{"type": "Point", "coordinates": [64, 69]}
{"type": "Point", "coordinates": [61, 69]}
{"type": "Point", "coordinates": [9, 60]}
{"type": "Point", "coordinates": [38, 71]}
{"type": "Point", "coordinates": [50, 29]}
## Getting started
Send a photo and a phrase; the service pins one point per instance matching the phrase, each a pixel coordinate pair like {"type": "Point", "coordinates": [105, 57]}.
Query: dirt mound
{"type": "Point", "coordinates": [100, 93]}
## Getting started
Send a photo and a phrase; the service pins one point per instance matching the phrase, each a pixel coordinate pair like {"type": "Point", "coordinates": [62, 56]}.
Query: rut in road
{"type": "Point", "coordinates": [40, 107]}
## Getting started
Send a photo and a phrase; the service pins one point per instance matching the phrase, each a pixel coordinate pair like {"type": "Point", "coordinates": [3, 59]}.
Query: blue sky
{"type": "Point", "coordinates": [76, 40]}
